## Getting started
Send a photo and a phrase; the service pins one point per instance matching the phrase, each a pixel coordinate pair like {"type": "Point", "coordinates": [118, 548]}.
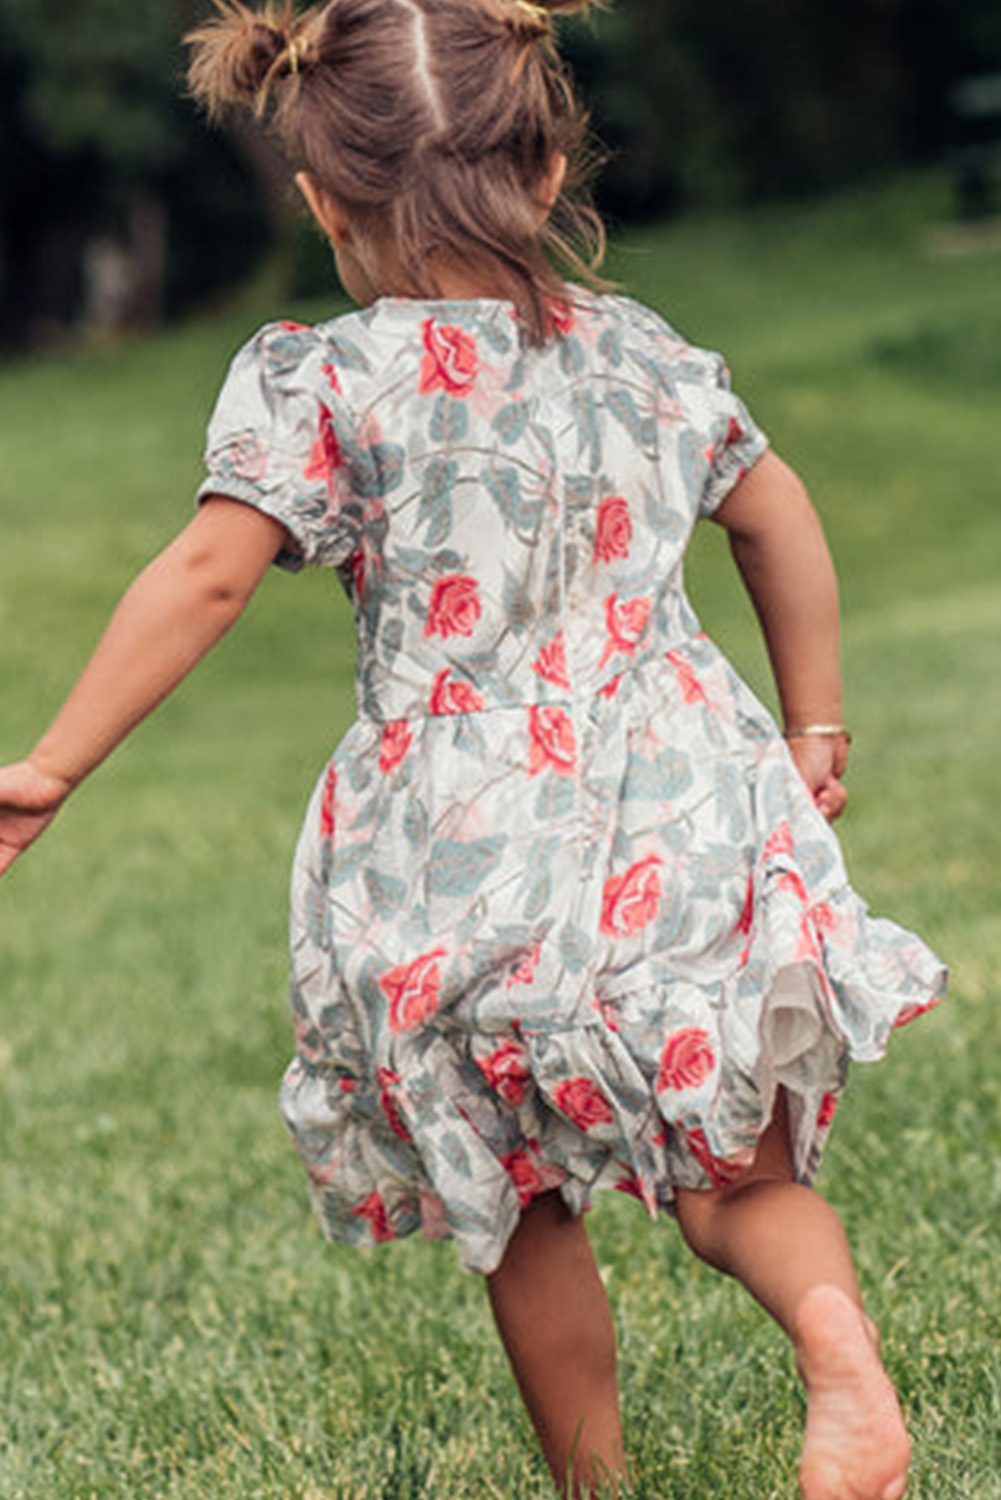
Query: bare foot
{"type": "Point", "coordinates": [856, 1445]}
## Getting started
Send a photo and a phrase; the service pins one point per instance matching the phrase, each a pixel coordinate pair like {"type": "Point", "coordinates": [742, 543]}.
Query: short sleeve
{"type": "Point", "coordinates": [277, 439]}
{"type": "Point", "coordinates": [734, 441]}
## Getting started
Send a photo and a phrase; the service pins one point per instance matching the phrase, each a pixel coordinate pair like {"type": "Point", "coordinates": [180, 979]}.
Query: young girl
{"type": "Point", "coordinates": [567, 910]}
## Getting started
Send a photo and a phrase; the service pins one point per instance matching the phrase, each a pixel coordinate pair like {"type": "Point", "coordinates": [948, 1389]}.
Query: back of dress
{"type": "Point", "coordinates": [560, 886]}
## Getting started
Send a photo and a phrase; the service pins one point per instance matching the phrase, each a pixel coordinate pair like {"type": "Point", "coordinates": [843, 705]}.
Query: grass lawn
{"type": "Point", "coordinates": [171, 1324]}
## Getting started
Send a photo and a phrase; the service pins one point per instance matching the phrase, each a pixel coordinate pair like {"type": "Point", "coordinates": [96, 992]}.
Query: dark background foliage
{"type": "Point", "coordinates": [118, 207]}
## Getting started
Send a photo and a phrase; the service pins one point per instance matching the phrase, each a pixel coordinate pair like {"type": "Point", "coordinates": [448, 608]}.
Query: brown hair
{"type": "Point", "coordinates": [432, 123]}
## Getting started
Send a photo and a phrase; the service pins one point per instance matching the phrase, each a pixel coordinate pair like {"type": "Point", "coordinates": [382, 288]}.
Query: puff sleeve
{"type": "Point", "coordinates": [734, 442]}
{"type": "Point", "coordinates": [277, 440]}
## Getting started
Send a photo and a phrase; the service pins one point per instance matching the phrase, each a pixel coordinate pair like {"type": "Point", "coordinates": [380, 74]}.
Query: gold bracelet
{"type": "Point", "coordinates": [819, 732]}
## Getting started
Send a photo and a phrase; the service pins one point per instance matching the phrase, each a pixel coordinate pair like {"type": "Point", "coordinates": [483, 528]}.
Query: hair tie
{"type": "Point", "coordinates": [296, 51]}
{"type": "Point", "coordinates": [538, 13]}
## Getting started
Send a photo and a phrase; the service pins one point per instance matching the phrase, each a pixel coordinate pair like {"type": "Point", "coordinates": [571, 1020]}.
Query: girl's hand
{"type": "Point", "coordinates": [821, 762]}
{"type": "Point", "coordinates": [29, 800]}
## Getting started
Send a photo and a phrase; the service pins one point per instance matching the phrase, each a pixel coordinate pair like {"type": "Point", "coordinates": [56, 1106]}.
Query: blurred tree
{"type": "Point", "coordinates": [106, 175]}
{"type": "Point", "coordinates": [702, 104]}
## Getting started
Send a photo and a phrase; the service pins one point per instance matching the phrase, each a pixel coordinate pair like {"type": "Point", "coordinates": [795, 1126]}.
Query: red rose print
{"type": "Point", "coordinates": [450, 360]}
{"type": "Point", "coordinates": [328, 802]}
{"type": "Point", "coordinates": [332, 378]}
{"type": "Point", "coordinates": [686, 1061]}
{"type": "Point", "coordinates": [562, 315]}
{"type": "Point", "coordinates": [790, 881]}
{"type": "Point", "coordinates": [780, 842]}
{"type": "Point", "coordinates": [625, 621]}
{"type": "Point", "coordinates": [455, 606]}
{"type": "Point", "coordinates": [807, 948]}
{"type": "Point", "coordinates": [507, 1071]}
{"type": "Point", "coordinates": [386, 1079]}
{"type": "Point", "coordinates": [358, 571]}
{"type": "Point", "coordinates": [288, 326]}
{"type": "Point", "coordinates": [824, 917]}
{"type": "Point", "coordinates": [551, 662]}
{"type": "Point", "coordinates": [746, 921]}
{"type": "Point", "coordinates": [825, 1113]}
{"type": "Point", "coordinates": [747, 915]}
{"type": "Point", "coordinates": [911, 1012]}
{"type": "Point", "coordinates": [397, 737]}
{"type": "Point", "coordinates": [614, 530]}
{"type": "Point", "coordinates": [582, 1102]}
{"type": "Point", "coordinates": [325, 457]}
{"type": "Point", "coordinates": [552, 746]}
{"type": "Point", "coordinates": [692, 690]}
{"type": "Point", "coordinates": [322, 1173]}
{"type": "Point", "coordinates": [611, 687]}
{"type": "Point", "coordinates": [630, 901]}
{"type": "Point", "coordinates": [249, 458]}
{"type": "Point", "coordinates": [630, 1183]}
{"type": "Point", "coordinates": [524, 1174]}
{"type": "Point", "coordinates": [374, 1210]}
{"type": "Point", "coordinates": [451, 697]}
{"type": "Point", "coordinates": [734, 431]}
{"type": "Point", "coordinates": [413, 991]}
{"type": "Point", "coordinates": [720, 1173]}
{"type": "Point", "coordinates": [608, 1011]}
{"type": "Point", "coordinates": [524, 972]}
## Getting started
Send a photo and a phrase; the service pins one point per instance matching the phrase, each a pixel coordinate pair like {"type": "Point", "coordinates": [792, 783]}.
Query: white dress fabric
{"type": "Point", "coordinates": [564, 916]}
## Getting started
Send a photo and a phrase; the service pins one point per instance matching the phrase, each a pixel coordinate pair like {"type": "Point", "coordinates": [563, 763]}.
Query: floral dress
{"type": "Point", "coordinates": [564, 916]}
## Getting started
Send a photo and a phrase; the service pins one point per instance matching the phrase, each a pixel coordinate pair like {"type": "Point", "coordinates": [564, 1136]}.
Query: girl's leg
{"type": "Point", "coordinates": [788, 1248]}
{"type": "Point", "coordinates": [556, 1326]}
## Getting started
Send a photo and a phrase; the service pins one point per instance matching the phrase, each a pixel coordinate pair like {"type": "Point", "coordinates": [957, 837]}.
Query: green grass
{"type": "Point", "coordinates": [170, 1323]}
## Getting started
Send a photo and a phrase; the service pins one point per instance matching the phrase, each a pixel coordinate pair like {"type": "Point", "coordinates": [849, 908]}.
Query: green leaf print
{"type": "Point", "coordinates": [539, 894]}
{"type": "Point", "coordinates": [415, 823]}
{"type": "Point", "coordinates": [730, 795]}
{"type": "Point", "coordinates": [580, 491]}
{"type": "Point", "coordinates": [572, 359]}
{"type": "Point", "coordinates": [504, 485]}
{"type": "Point", "coordinates": [346, 353]}
{"type": "Point", "coordinates": [556, 797]}
{"type": "Point", "coordinates": [376, 471]}
{"type": "Point", "coordinates": [449, 420]}
{"type": "Point", "coordinates": [458, 867]}
{"type": "Point", "coordinates": [391, 640]}
{"type": "Point", "coordinates": [642, 429]}
{"type": "Point", "coordinates": [386, 892]}
{"type": "Point", "coordinates": [673, 919]}
{"type": "Point", "coordinates": [347, 862]}
{"type": "Point", "coordinates": [657, 780]}
{"type": "Point", "coordinates": [664, 522]}
{"type": "Point", "coordinates": [585, 412]}
{"type": "Point", "coordinates": [692, 462]}
{"type": "Point", "coordinates": [519, 611]}
{"type": "Point", "coordinates": [575, 948]}
{"type": "Point", "coordinates": [511, 421]}
{"type": "Point", "coordinates": [436, 499]}
{"type": "Point", "coordinates": [452, 1150]}
{"type": "Point", "coordinates": [610, 347]}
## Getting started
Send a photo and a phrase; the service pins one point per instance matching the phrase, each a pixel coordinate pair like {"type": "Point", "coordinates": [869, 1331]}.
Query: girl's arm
{"type": "Point", "coordinates": [175, 611]}
{"type": "Point", "coordinates": [779, 548]}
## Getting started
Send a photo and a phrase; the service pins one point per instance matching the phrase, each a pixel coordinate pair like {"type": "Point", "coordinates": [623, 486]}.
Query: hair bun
{"type": "Point", "coordinates": [534, 18]}
{"type": "Point", "coordinates": [239, 53]}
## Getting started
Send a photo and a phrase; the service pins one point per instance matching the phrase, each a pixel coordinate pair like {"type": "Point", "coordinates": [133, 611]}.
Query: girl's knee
{"type": "Point", "coordinates": [698, 1218]}
{"type": "Point", "coordinates": [706, 1216]}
